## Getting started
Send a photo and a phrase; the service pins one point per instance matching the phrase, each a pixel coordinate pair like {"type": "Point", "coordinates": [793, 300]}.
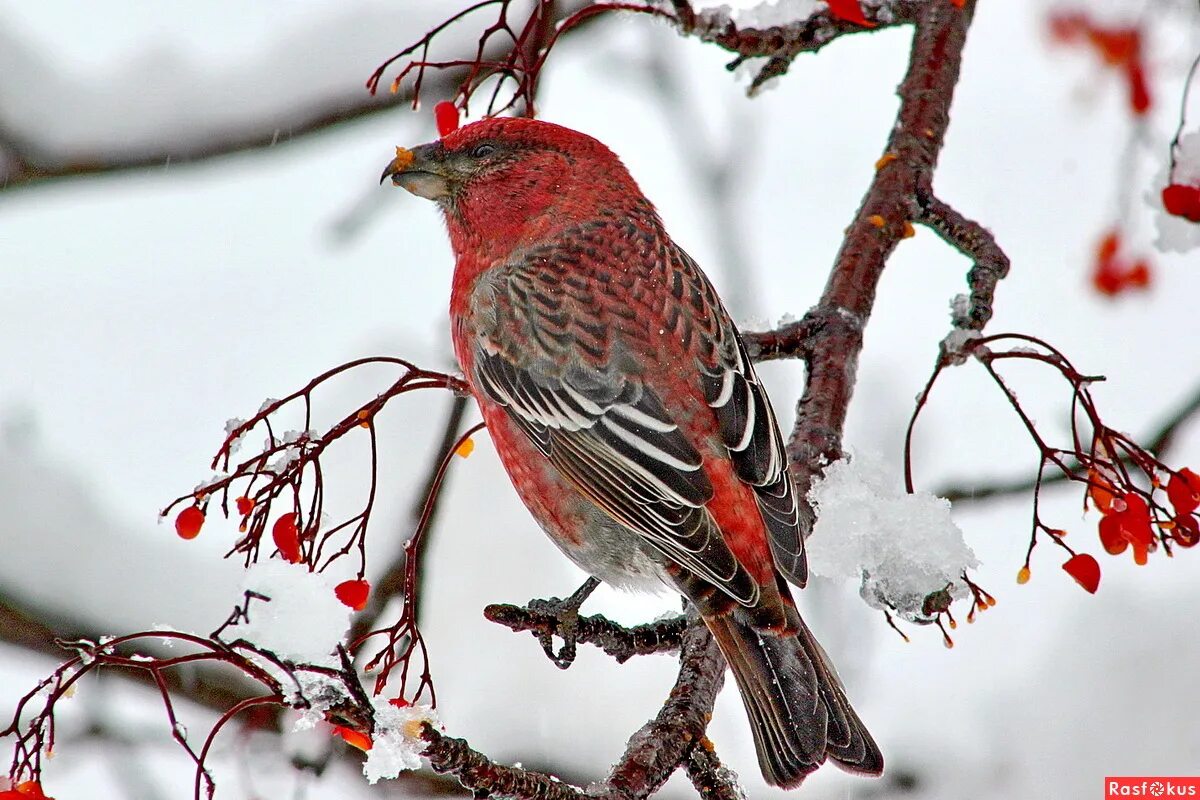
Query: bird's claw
{"type": "Point", "coordinates": [565, 612]}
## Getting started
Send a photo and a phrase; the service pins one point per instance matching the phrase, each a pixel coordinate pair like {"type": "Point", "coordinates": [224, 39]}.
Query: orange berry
{"type": "Point", "coordinates": [353, 593]}
{"type": "Point", "coordinates": [286, 537]}
{"type": "Point", "coordinates": [189, 522]}
{"type": "Point", "coordinates": [1085, 570]}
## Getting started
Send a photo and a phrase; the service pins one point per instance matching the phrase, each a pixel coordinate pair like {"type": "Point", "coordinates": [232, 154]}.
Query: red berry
{"type": "Point", "coordinates": [1186, 531]}
{"type": "Point", "coordinates": [1068, 26]}
{"type": "Point", "coordinates": [1183, 490]}
{"type": "Point", "coordinates": [353, 593]}
{"type": "Point", "coordinates": [1085, 570]}
{"type": "Point", "coordinates": [189, 521]}
{"type": "Point", "coordinates": [286, 537]}
{"type": "Point", "coordinates": [353, 737]}
{"type": "Point", "coordinates": [1107, 281]}
{"type": "Point", "coordinates": [1108, 247]}
{"type": "Point", "coordinates": [1128, 524]}
{"type": "Point", "coordinates": [1139, 275]}
{"type": "Point", "coordinates": [446, 117]}
{"type": "Point", "coordinates": [850, 11]}
{"type": "Point", "coordinates": [1182, 201]}
{"type": "Point", "coordinates": [1139, 88]}
{"type": "Point", "coordinates": [244, 505]}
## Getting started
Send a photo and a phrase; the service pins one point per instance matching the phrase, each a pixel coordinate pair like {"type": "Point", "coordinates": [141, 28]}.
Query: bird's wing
{"type": "Point", "coordinates": [751, 434]}
{"type": "Point", "coordinates": [614, 440]}
{"type": "Point", "coordinates": [557, 340]}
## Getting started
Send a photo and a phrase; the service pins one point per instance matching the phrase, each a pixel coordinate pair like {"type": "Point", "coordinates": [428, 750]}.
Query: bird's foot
{"type": "Point", "coordinates": [565, 613]}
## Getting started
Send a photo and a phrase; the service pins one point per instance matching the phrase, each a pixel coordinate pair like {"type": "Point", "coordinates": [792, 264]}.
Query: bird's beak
{"type": "Point", "coordinates": [421, 171]}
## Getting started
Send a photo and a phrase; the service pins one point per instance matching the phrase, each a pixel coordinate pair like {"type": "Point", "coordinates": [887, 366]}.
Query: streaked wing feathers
{"type": "Point", "coordinates": [749, 430]}
{"type": "Point", "coordinates": [620, 448]}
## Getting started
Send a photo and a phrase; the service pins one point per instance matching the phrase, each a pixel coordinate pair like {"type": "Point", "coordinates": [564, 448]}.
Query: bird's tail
{"type": "Point", "coordinates": [796, 704]}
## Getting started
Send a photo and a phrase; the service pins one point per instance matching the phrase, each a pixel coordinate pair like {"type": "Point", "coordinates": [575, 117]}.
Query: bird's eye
{"type": "Point", "coordinates": [483, 150]}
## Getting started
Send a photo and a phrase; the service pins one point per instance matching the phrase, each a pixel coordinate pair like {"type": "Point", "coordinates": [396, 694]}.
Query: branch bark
{"type": "Point", "coordinates": [833, 330]}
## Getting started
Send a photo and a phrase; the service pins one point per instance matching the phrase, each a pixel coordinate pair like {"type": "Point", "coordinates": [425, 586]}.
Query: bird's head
{"type": "Point", "coordinates": [506, 176]}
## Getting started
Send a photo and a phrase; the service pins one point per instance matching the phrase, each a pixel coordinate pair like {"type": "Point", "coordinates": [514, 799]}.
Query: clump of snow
{"type": "Point", "coordinates": [901, 546]}
{"type": "Point", "coordinates": [960, 308]}
{"type": "Point", "coordinates": [762, 13]}
{"type": "Point", "coordinates": [315, 694]}
{"type": "Point", "coordinates": [303, 621]}
{"type": "Point", "coordinates": [1175, 234]}
{"type": "Point", "coordinates": [397, 745]}
{"type": "Point", "coordinates": [203, 487]}
{"type": "Point", "coordinates": [955, 343]}
{"type": "Point", "coordinates": [231, 425]}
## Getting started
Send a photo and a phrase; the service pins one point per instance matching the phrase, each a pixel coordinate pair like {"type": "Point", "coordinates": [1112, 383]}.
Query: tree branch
{"type": "Point", "coordinates": [24, 163]}
{"type": "Point", "coordinates": [976, 241]}
{"type": "Point", "coordinates": [712, 779]}
{"type": "Point", "coordinates": [780, 44]}
{"type": "Point", "coordinates": [835, 325]}
{"type": "Point", "coordinates": [616, 640]}
{"type": "Point", "coordinates": [39, 631]}
{"type": "Point", "coordinates": [665, 742]}
{"type": "Point", "coordinates": [391, 583]}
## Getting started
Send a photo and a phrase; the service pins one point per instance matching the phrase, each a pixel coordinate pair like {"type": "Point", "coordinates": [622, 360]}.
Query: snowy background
{"type": "Point", "coordinates": [140, 312]}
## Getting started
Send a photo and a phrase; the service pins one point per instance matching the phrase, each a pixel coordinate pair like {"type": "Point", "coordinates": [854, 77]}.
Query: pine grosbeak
{"type": "Point", "coordinates": [622, 402]}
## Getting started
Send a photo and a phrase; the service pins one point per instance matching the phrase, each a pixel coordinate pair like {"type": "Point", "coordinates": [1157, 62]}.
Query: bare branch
{"type": "Point", "coordinates": [712, 779]}
{"type": "Point", "coordinates": [780, 44]}
{"type": "Point", "coordinates": [616, 640]}
{"type": "Point", "coordinates": [484, 777]}
{"type": "Point", "coordinates": [24, 163]}
{"type": "Point", "coordinates": [881, 222]}
{"type": "Point", "coordinates": [976, 241]}
{"type": "Point", "coordinates": [665, 742]}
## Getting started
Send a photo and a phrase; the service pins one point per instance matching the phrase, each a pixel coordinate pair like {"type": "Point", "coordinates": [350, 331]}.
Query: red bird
{"type": "Point", "coordinates": [622, 402]}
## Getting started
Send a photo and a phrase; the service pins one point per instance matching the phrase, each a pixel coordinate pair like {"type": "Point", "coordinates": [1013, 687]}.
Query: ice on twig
{"type": "Point", "coordinates": [397, 744]}
{"type": "Point", "coordinates": [955, 343]}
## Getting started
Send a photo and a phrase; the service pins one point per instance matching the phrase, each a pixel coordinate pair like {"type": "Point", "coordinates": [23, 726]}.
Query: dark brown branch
{"type": "Point", "coordinates": [653, 753]}
{"type": "Point", "coordinates": [712, 779]}
{"type": "Point", "coordinates": [976, 241]}
{"type": "Point", "coordinates": [483, 777]}
{"type": "Point", "coordinates": [793, 340]}
{"type": "Point", "coordinates": [781, 44]}
{"type": "Point", "coordinates": [39, 631]}
{"type": "Point", "coordinates": [26, 163]}
{"type": "Point", "coordinates": [616, 640]}
{"type": "Point", "coordinates": [881, 222]}
{"type": "Point", "coordinates": [664, 743]}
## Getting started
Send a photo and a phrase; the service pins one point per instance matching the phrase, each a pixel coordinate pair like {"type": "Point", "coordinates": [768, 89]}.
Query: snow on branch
{"type": "Point", "coordinates": [903, 546]}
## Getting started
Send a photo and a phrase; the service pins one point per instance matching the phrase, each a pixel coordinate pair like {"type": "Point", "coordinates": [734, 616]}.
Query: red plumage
{"type": "Point", "coordinates": [622, 403]}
